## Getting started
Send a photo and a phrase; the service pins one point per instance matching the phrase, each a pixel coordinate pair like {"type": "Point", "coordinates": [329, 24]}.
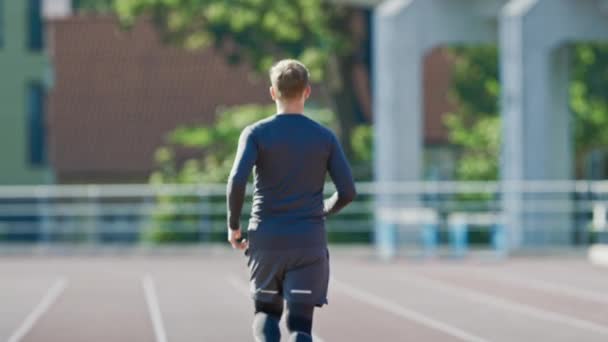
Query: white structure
{"type": "Point", "coordinates": [404, 32]}
{"type": "Point", "coordinates": [534, 74]}
{"type": "Point", "coordinates": [537, 134]}
{"type": "Point", "coordinates": [56, 9]}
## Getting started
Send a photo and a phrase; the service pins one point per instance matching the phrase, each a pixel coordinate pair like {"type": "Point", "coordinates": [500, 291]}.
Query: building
{"type": "Point", "coordinates": [117, 93]}
{"type": "Point", "coordinates": [77, 88]}
{"type": "Point", "coordinates": [26, 76]}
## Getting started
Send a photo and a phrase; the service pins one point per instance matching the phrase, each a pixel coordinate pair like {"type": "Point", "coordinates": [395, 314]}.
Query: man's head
{"type": "Point", "coordinates": [290, 82]}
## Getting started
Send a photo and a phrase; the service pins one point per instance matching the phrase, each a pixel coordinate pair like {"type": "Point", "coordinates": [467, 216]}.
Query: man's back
{"type": "Point", "coordinates": [288, 258]}
{"type": "Point", "coordinates": [291, 154]}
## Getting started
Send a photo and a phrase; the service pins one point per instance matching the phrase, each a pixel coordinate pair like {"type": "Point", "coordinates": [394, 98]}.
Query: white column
{"type": "Point", "coordinates": [398, 123]}
{"type": "Point", "coordinates": [537, 136]}
{"type": "Point", "coordinates": [404, 31]}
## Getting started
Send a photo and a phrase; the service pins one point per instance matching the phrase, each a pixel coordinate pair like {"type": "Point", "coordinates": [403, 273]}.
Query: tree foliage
{"type": "Point", "coordinates": [258, 30]}
{"type": "Point", "coordinates": [589, 100]}
{"type": "Point", "coordinates": [362, 156]}
{"type": "Point", "coordinates": [475, 125]}
{"type": "Point", "coordinates": [320, 33]}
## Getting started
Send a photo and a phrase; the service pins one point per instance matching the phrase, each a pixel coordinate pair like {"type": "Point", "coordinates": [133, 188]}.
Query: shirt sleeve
{"type": "Point", "coordinates": [341, 174]}
{"type": "Point", "coordinates": [246, 156]}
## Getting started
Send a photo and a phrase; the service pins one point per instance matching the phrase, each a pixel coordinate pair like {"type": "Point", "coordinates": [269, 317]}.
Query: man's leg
{"type": "Point", "coordinates": [304, 287]}
{"type": "Point", "coordinates": [266, 321]}
{"type": "Point", "coordinates": [299, 321]}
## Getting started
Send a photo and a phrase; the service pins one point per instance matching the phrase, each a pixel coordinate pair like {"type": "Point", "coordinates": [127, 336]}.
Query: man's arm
{"type": "Point", "coordinates": [244, 160]}
{"type": "Point", "coordinates": [341, 175]}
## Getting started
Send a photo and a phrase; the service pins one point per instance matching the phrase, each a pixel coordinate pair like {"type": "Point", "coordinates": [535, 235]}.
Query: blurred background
{"type": "Point", "coordinates": [120, 118]}
{"type": "Point", "coordinates": [476, 129]}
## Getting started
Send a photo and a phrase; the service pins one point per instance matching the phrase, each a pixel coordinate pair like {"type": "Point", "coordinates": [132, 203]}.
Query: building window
{"type": "Point", "coordinates": [36, 124]}
{"type": "Point", "coordinates": [35, 25]}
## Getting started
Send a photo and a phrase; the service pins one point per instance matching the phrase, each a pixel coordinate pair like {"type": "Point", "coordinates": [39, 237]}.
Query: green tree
{"type": "Point", "coordinates": [321, 33]}
{"type": "Point", "coordinates": [589, 101]}
{"type": "Point", "coordinates": [362, 144]}
{"type": "Point", "coordinates": [475, 125]}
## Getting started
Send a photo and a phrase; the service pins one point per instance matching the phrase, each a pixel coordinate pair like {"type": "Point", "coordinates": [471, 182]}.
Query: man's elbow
{"type": "Point", "coordinates": [349, 195]}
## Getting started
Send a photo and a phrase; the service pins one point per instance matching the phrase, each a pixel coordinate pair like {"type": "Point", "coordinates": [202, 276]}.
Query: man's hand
{"type": "Point", "coordinates": [234, 236]}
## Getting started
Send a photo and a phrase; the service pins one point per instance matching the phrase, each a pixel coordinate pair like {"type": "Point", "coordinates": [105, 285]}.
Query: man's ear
{"type": "Point", "coordinates": [307, 92]}
{"type": "Point", "coordinates": [272, 94]}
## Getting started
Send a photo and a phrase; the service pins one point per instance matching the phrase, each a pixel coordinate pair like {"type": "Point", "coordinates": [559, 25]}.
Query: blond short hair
{"type": "Point", "coordinates": [289, 78]}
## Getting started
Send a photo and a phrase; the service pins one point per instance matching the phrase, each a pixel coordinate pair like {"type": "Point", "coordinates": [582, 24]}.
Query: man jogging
{"type": "Point", "coordinates": [287, 247]}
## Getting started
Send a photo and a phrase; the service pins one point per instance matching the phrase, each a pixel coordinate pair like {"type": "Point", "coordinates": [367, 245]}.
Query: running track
{"type": "Point", "coordinates": [204, 298]}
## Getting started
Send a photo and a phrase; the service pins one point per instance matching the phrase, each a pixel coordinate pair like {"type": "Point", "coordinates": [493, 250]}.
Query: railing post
{"type": "Point", "coordinates": [386, 237]}
{"type": "Point", "coordinates": [499, 240]}
{"type": "Point", "coordinates": [204, 223]}
{"type": "Point", "coordinates": [599, 222]}
{"type": "Point", "coordinates": [43, 210]}
{"type": "Point", "coordinates": [458, 229]}
{"type": "Point", "coordinates": [430, 239]}
{"type": "Point", "coordinates": [92, 221]}
{"type": "Point", "coordinates": [385, 226]}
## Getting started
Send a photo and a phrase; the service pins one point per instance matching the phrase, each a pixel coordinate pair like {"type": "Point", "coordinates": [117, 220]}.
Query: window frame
{"type": "Point", "coordinates": [35, 39]}
{"type": "Point", "coordinates": [36, 125]}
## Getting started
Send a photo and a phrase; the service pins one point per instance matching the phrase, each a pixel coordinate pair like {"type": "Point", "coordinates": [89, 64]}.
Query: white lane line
{"type": "Point", "coordinates": [242, 289]}
{"type": "Point", "coordinates": [541, 285]}
{"type": "Point", "coordinates": [47, 301]}
{"type": "Point", "coordinates": [505, 304]}
{"type": "Point", "coordinates": [154, 308]}
{"type": "Point", "coordinates": [398, 310]}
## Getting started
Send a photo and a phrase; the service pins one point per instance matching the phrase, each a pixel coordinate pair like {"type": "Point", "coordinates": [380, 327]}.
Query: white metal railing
{"type": "Point", "coordinates": [130, 214]}
{"type": "Point", "coordinates": [431, 187]}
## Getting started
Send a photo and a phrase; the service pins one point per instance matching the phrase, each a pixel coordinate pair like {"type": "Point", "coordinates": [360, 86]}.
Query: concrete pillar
{"type": "Point", "coordinates": [404, 32]}
{"type": "Point", "coordinates": [537, 137]}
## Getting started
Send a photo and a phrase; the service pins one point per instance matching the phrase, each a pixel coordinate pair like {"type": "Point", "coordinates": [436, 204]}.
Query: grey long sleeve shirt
{"type": "Point", "coordinates": [290, 155]}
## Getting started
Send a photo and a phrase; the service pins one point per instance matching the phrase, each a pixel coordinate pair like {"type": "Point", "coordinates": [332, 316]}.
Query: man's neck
{"type": "Point", "coordinates": [290, 108]}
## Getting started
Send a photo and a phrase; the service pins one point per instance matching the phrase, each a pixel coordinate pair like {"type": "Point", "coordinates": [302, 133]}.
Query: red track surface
{"type": "Point", "coordinates": [203, 298]}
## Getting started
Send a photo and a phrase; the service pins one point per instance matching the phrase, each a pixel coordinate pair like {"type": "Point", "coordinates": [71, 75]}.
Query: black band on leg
{"type": "Point", "coordinates": [266, 321]}
{"type": "Point", "coordinates": [274, 308]}
{"type": "Point", "coordinates": [299, 321]}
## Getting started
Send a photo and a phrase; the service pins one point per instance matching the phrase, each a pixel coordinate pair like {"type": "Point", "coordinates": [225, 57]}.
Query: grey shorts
{"type": "Point", "coordinates": [300, 276]}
